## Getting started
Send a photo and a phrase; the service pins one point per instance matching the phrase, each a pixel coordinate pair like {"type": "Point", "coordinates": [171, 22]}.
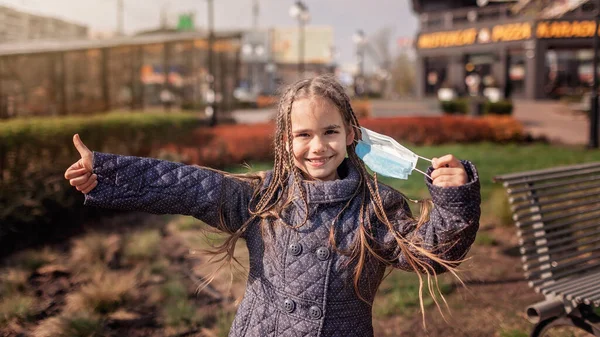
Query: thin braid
{"type": "Point", "coordinates": [292, 165]}
{"type": "Point", "coordinates": [279, 170]}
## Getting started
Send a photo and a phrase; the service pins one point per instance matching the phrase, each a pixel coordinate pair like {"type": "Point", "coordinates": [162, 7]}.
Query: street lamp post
{"type": "Point", "coordinates": [212, 108]}
{"type": "Point", "coordinates": [593, 141]}
{"type": "Point", "coordinates": [299, 11]}
{"type": "Point", "coordinates": [360, 41]}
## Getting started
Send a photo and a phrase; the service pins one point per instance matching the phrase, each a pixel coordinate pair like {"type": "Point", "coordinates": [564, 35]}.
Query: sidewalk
{"type": "Point", "coordinates": [553, 120]}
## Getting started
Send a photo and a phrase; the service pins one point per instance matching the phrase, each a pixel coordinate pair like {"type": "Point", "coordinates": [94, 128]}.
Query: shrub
{"type": "Point", "coordinates": [35, 152]}
{"type": "Point", "coordinates": [94, 248]}
{"type": "Point", "coordinates": [142, 246]}
{"type": "Point", "coordinates": [485, 239]}
{"type": "Point", "coordinates": [32, 259]}
{"type": "Point", "coordinates": [177, 309]}
{"type": "Point", "coordinates": [457, 106]}
{"type": "Point", "coordinates": [13, 281]}
{"type": "Point", "coordinates": [504, 107]}
{"type": "Point", "coordinates": [193, 106]}
{"type": "Point", "coordinates": [16, 306]}
{"type": "Point", "coordinates": [399, 295]}
{"type": "Point", "coordinates": [78, 324]}
{"type": "Point", "coordinates": [105, 293]}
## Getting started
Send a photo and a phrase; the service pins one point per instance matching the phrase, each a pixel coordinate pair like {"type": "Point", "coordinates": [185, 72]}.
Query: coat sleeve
{"type": "Point", "coordinates": [451, 228]}
{"type": "Point", "coordinates": [163, 187]}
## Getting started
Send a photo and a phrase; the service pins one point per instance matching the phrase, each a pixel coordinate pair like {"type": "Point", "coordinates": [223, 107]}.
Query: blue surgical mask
{"type": "Point", "coordinates": [385, 156]}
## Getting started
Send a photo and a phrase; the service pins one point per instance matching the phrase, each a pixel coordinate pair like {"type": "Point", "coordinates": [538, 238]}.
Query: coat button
{"type": "Point", "coordinates": [295, 249]}
{"type": "Point", "coordinates": [289, 305]}
{"type": "Point", "coordinates": [315, 312]}
{"type": "Point", "coordinates": [322, 253]}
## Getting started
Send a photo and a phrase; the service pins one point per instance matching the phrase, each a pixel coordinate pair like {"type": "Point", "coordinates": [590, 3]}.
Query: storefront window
{"type": "Point", "coordinates": [435, 74]}
{"type": "Point", "coordinates": [568, 72]}
{"type": "Point", "coordinates": [516, 73]}
{"type": "Point", "coordinates": [478, 73]}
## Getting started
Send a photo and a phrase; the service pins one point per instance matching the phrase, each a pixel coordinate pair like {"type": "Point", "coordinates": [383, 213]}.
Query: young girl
{"type": "Point", "coordinates": [320, 230]}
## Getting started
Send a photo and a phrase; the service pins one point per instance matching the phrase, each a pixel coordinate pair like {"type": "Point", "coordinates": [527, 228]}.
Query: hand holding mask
{"type": "Point", "coordinates": [387, 157]}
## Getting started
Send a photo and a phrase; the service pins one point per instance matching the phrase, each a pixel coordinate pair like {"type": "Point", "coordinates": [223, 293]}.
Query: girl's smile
{"type": "Point", "coordinates": [320, 137]}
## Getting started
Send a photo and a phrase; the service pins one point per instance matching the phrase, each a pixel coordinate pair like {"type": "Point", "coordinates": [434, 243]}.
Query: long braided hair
{"type": "Point", "coordinates": [274, 198]}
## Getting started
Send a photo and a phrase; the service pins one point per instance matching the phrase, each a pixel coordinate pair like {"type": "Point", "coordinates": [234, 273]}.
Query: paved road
{"type": "Point", "coordinates": [554, 120]}
{"type": "Point", "coordinates": [380, 109]}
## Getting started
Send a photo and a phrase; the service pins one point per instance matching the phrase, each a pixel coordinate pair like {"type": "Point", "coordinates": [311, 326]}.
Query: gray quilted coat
{"type": "Point", "coordinates": [298, 285]}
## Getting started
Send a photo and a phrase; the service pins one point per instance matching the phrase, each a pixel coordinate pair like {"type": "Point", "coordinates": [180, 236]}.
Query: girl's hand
{"type": "Point", "coordinates": [80, 174]}
{"type": "Point", "coordinates": [448, 171]}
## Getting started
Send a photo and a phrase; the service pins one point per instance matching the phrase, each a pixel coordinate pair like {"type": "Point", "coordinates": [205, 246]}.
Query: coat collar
{"type": "Point", "coordinates": [318, 192]}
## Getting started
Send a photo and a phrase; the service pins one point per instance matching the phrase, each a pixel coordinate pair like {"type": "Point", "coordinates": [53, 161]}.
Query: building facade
{"type": "Point", "coordinates": [272, 56]}
{"type": "Point", "coordinates": [469, 48]}
{"type": "Point", "coordinates": [17, 26]}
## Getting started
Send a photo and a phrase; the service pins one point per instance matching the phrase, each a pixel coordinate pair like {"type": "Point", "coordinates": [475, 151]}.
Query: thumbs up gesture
{"type": "Point", "coordinates": [80, 174]}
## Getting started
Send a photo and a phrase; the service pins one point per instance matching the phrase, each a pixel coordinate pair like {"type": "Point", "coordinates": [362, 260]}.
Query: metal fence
{"type": "Point", "coordinates": [83, 77]}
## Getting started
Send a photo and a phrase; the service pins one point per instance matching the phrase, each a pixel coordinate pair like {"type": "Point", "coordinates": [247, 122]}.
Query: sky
{"type": "Point", "coordinates": [345, 16]}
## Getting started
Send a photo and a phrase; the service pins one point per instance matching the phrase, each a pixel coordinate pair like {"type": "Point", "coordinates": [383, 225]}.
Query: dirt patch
{"type": "Point", "coordinates": [492, 303]}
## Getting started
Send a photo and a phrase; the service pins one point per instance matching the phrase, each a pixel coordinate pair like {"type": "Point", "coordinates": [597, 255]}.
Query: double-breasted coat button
{"type": "Point", "coordinates": [322, 253]}
{"type": "Point", "coordinates": [289, 305]}
{"type": "Point", "coordinates": [315, 312]}
{"type": "Point", "coordinates": [295, 249]}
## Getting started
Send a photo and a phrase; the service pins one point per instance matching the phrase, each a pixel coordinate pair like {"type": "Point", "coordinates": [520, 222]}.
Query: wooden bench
{"type": "Point", "coordinates": [557, 215]}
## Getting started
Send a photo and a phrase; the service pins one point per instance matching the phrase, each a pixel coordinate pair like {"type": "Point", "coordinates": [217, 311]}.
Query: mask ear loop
{"type": "Point", "coordinates": [423, 173]}
{"type": "Point", "coordinates": [416, 169]}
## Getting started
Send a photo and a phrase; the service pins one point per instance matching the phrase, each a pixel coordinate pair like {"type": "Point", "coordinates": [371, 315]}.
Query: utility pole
{"type": "Point", "coordinates": [593, 141]}
{"type": "Point", "coordinates": [120, 18]}
{"type": "Point", "coordinates": [255, 12]}
{"type": "Point", "coordinates": [211, 69]}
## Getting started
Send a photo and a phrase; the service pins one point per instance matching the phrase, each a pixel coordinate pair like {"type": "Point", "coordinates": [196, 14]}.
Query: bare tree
{"type": "Point", "coordinates": [403, 74]}
{"type": "Point", "coordinates": [379, 50]}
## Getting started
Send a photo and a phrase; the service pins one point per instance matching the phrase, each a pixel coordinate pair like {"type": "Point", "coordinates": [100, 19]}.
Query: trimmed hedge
{"type": "Point", "coordinates": [35, 152]}
{"type": "Point", "coordinates": [233, 144]}
{"type": "Point", "coordinates": [461, 106]}
{"type": "Point", "coordinates": [503, 107]}
{"type": "Point", "coordinates": [458, 106]}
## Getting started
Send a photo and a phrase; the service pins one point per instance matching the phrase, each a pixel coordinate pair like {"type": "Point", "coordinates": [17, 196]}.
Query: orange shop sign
{"type": "Point", "coordinates": [455, 38]}
{"type": "Point", "coordinates": [498, 33]}
{"type": "Point", "coordinates": [565, 29]}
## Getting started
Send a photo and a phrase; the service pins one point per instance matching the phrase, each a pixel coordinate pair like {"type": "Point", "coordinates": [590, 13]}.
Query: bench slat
{"type": "Point", "coordinates": [540, 173]}
{"type": "Point", "coordinates": [548, 202]}
{"type": "Point", "coordinates": [531, 266]}
{"type": "Point", "coordinates": [567, 285]}
{"type": "Point", "coordinates": [555, 267]}
{"type": "Point", "coordinates": [556, 176]}
{"type": "Point", "coordinates": [546, 186]}
{"type": "Point", "coordinates": [521, 217]}
{"type": "Point", "coordinates": [528, 237]}
{"type": "Point", "coordinates": [554, 248]}
{"type": "Point", "coordinates": [538, 194]}
{"type": "Point", "coordinates": [535, 283]}
{"type": "Point", "coordinates": [523, 224]}
{"type": "Point", "coordinates": [586, 291]}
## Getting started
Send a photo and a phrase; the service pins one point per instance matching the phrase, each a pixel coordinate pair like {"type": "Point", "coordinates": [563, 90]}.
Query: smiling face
{"type": "Point", "coordinates": [320, 137]}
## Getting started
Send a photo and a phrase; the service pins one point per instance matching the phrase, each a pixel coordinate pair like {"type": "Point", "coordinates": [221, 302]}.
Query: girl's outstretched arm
{"type": "Point", "coordinates": [453, 221]}
{"type": "Point", "coordinates": [163, 187]}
